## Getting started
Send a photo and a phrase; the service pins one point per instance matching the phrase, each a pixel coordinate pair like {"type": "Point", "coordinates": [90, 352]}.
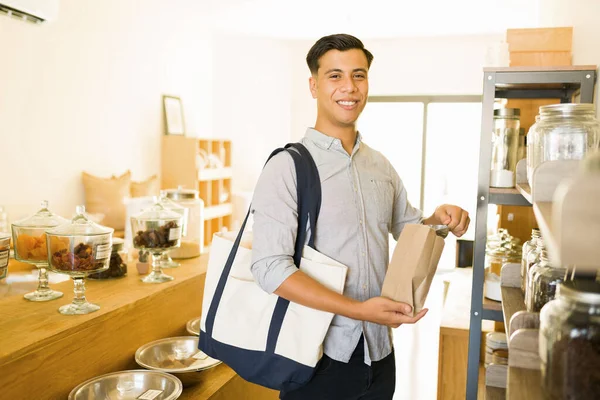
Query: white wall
{"type": "Point", "coordinates": [85, 93]}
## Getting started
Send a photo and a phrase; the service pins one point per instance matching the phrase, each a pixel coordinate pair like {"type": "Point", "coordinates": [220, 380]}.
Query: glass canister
{"type": "Point", "coordinates": [192, 241]}
{"type": "Point", "coordinates": [522, 152]}
{"type": "Point", "coordinates": [543, 280]}
{"type": "Point", "coordinates": [532, 148]}
{"type": "Point", "coordinates": [165, 258]}
{"type": "Point", "coordinates": [505, 147]}
{"type": "Point", "coordinates": [569, 342]}
{"type": "Point", "coordinates": [4, 254]}
{"type": "Point", "coordinates": [29, 241]}
{"type": "Point", "coordinates": [79, 248]}
{"type": "Point", "coordinates": [564, 132]}
{"type": "Point", "coordinates": [527, 247]}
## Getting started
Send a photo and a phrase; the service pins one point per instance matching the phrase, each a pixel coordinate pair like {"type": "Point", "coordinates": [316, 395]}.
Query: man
{"type": "Point", "coordinates": [363, 200]}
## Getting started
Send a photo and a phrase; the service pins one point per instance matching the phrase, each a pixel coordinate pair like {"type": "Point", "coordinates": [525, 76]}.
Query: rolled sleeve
{"type": "Point", "coordinates": [275, 216]}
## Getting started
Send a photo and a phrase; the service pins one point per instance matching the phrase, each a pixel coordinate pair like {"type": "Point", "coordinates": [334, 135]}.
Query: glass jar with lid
{"type": "Point", "coordinates": [531, 147]}
{"type": "Point", "coordinates": [530, 245]}
{"type": "Point", "coordinates": [29, 241]}
{"type": "Point", "coordinates": [157, 230]}
{"type": "Point", "coordinates": [4, 254]}
{"type": "Point", "coordinates": [165, 259]}
{"type": "Point", "coordinates": [569, 342]}
{"type": "Point", "coordinates": [564, 132]}
{"type": "Point", "coordinates": [505, 147]}
{"type": "Point", "coordinates": [192, 241]}
{"type": "Point", "coordinates": [543, 280]}
{"type": "Point", "coordinates": [79, 248]}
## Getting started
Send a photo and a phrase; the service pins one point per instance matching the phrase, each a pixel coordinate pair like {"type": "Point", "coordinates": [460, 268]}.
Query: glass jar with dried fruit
{"type": "Point", "coordinates": [166, 202]}
{"type": "Point", "coordinates": [117, 267]}
{"type": "Point", "coordinates": [79, 248]}
{"type": "Point", "coordinates": [569, 341]}
{"type": "Point", "coordinates": [4, 254]}
{"type": "Point", "coordinates": [156, 230]}
{"type": "Point", "coordinates": [29, 240]}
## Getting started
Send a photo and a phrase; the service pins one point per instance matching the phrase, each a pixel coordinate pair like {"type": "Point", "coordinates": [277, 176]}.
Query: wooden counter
{"type": "Point", "coordinates": [44, 354]}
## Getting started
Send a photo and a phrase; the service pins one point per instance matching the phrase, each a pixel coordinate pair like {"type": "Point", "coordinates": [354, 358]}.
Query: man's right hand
{"type": "Point", "coordinates": [383, 311]}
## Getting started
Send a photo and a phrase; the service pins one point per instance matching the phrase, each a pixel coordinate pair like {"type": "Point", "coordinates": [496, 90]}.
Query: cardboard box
{"type": "Point", "coordinates": [413, 266]}
{"type": "Point", "coordinates": [540, 39]}
{"type": "Point", "coordinates": [540, 58]}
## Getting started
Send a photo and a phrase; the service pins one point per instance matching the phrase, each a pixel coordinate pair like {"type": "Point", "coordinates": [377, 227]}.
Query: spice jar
{"type": "Point", "coordinates": [117, 268]}
{"type": "Point", "coordinates": [569, 342]}
{"type": "Point", "coordinates": [494, 341]}
{"type": "Point", "coordinates": [564, 132]}
{"type": "Point", "coordinates": [543, 280]}
{"type": "Point", "coordinates": [4, 254]}
{"type": "Point", "coordinates": [192, 240]}
{"type": "Point", "coordinates": [505, 147]}
{"type": "Point", "coordinates": [525, 264]}
{"type": "Point", "coordinates": [79, 248]}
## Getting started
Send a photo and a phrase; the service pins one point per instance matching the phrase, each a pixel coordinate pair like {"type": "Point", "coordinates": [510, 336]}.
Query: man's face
{"type": "Point", "coordinates": [341, 86]}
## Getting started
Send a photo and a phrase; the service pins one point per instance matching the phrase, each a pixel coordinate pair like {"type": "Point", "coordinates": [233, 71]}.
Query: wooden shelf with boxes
{"type": "Point", "coordinates": [204, 165]}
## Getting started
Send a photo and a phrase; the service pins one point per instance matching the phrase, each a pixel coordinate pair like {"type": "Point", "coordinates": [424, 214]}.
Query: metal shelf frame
{"type": "Point", "coordinates": [561, 84]}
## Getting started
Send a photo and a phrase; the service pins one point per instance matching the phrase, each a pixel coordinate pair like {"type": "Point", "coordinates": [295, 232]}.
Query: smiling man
{"type": "Point", "coordinates": [363, 201]}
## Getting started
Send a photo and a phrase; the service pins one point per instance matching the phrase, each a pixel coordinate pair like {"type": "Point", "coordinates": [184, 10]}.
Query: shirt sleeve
{"type": "Point", "coordinates": [403, 212]}
{"type": "Point", "coordinates": [275, 215]}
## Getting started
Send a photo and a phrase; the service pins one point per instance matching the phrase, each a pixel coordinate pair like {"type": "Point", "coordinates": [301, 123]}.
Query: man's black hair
{"type": "Point", "coordinates": [341, 42]}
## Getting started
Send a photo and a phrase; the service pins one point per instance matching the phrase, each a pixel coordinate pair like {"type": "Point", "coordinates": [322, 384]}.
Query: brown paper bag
{"type": "Point", "coordinates": [413, 266]}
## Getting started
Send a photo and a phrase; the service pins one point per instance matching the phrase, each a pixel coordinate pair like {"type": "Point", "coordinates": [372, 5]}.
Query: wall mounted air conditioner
{"type": "Point", "coordinates": [36, 11]}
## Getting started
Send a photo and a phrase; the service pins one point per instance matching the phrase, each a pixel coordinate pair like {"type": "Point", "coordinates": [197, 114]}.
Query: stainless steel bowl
{"type": "Point", "coordinates": [178, 356]}
{"type": "Point", "coordinates": [193, 326]}
{"type": "Point", "coordinates": [129, 385]}
{"type": "Point", "coordinates": [440, 230]}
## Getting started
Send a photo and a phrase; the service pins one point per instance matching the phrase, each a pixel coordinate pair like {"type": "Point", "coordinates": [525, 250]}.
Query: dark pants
{"type": "Point", "coordinates": [355, 380]}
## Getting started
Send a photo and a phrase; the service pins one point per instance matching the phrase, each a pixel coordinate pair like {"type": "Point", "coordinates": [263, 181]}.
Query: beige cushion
{"type": "Point", "coordinates": [149, 187]}
{"type": "Point", "coordinates": [104, 197]}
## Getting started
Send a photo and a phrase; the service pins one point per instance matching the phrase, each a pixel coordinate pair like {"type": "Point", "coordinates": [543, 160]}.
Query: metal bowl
{"type": "Point", "coordinates": [178, 356]}
{"type": "Point", "coordinates": [440, 230]}
{"type": "Point", "coordinates": [193, 326]}
{"type": "Point", "coordinates": [129, 385]}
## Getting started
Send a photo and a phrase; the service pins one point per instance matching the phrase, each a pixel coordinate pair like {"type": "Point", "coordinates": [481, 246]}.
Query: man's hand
{"type": "Point", "coordinates": [455, 217]}
{"type": "Point", "coordinates": [383, 311]}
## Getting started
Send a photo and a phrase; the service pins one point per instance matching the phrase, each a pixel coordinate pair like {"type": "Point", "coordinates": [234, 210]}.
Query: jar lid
{"type": "Point", "coordinates": [170, 204]}
{"type": "Point", "coordinates": [80, 225]}
{"type": "Point", "coordinates": [44, 218]}
{"type": "Point", "coordinates": [580, 290]}
{"type": "Point", "coordinates": [496, 340]}
{"type": "Point", "coordinates": [507, 112]}
{"type": "Point", "coordinates": [181, 194]}
{"type": "Point", "coordinates": [158, 212]}
{"type": "Point", "coordinates": [567, 108]}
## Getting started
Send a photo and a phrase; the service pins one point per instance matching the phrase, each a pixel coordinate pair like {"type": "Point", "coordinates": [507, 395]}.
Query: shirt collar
{"type": "Point", "coordinates": [327, 141]}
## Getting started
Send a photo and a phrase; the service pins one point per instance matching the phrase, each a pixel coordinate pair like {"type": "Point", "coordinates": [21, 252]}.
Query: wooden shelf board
{"type": "Point", "coordinates": [489, 304]}
{"type": "Point", "coordinates": [494, 190]}
{"type": "Point", "coordinates": [217, 211]}
{"type": "Point", "coordinates": [512, 302]}
{"type": "Point", "coordinates": [495, 393]}
{"type": "Point", "coordinates": [506, 196]}
{"type": "Point", "coordinates": [211, 174]}
{"type": "Point", "coordinates": [542, 69]}
{"type": "Point", "coordinates": [543, 215]}
{"type": "Point", "coordinates": [525, 190]}
{"type": "Point", "coordinates": [524, 384]}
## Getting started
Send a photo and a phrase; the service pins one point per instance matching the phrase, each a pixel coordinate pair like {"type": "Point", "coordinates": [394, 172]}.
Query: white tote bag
{"type": "Point", "coordinates": [264, 338]}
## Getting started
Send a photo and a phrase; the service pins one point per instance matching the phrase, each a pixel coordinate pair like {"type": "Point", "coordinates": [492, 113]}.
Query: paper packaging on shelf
{"type": "Point", "coordinates": [413, 266]}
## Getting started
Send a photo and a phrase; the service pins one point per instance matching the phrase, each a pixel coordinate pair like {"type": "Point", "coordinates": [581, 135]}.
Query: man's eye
{"type": "Point", "coordinates": [359, 76]}
{"type": "Point", "coordinates": [334, 76]}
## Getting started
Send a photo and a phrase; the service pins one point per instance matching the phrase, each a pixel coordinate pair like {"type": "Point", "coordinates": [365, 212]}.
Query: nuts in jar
{"type": "Point", "coordinates": [81, 259]}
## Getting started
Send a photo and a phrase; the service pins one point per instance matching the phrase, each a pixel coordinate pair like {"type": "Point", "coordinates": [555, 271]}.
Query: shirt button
{"type": "Point", "coordinates": [361, 221]}
{"type": "Point", "coordinates": [363, 253]}
{"type": "Point", "coordinates": [365, 287]}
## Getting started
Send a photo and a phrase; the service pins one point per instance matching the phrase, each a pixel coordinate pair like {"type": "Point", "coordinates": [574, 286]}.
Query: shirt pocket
{"type": "Point", "coordinates": [382, 194]}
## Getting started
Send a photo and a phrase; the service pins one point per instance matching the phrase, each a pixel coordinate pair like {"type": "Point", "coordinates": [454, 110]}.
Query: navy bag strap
{"type": "Point", "coordinates": [309, 203]}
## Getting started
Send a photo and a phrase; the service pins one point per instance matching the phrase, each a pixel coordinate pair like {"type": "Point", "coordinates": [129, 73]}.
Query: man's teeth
{"type": "Point", "coordinates": [347, 103]}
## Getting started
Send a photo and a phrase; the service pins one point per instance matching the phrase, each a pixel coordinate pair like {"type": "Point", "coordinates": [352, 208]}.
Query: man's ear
{"type": "Point", "coordinates": [312, 83]}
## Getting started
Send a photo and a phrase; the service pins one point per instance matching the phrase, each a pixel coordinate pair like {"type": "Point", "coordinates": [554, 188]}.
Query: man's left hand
{"type": "Point", "coordinates": [455, 217]}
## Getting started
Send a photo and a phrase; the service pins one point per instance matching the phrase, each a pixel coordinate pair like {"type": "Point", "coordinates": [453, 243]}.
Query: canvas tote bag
{"type": "Point", "coordinates": [264, 338]}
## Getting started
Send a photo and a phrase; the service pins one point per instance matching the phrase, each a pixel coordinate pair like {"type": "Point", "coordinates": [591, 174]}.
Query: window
{"type": "Point", "coordinates": [433, 142]}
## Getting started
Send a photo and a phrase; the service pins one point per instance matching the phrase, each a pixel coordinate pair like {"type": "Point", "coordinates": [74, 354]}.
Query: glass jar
{"type": "Point", "coordinates": [527, 247]}
{"type": "Point", "coordinates": [522, 152]}
{"type": "Point", "coordinates": [4, 254]}
{"type": "Point", "coordinates": [117, 268]}
{"type": "Point", "coordinates": [533, 258]}
{"type": "Point", "coordinates": [505, 147]}
{"type": "Point", "coordinates": [79, 248]}
{"type": "Point", "coordinates": [564, 132]}
{"type": "Point", "coordinates": [569, 342]}
{"type": "Point", "coordinates": [157, 230]}
{"type": "Point", "coordinates": [165, 258]}
{"type": "Point", "coordinates": [531, 147]}
{"type": "Point", "coordinates": [192, 241]}
{"type": "Point", "coordinates": [29, 242]}
{"type": "Point", "coordinates": [543, 279]}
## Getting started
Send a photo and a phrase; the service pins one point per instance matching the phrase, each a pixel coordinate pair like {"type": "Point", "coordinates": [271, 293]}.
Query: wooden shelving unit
{"type": "Point", "coordinates": [204, 165]}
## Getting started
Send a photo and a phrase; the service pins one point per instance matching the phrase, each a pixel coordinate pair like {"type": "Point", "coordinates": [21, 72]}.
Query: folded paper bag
{"type": "Point", "coordinates": [413, 266]}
